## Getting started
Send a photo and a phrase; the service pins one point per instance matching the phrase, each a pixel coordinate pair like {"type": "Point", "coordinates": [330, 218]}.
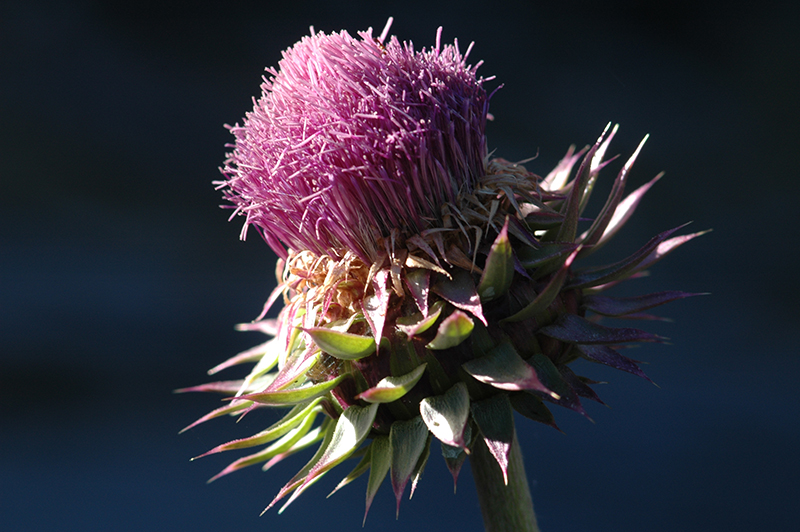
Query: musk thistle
{"type": "Point", "coordinates": [429, 289]}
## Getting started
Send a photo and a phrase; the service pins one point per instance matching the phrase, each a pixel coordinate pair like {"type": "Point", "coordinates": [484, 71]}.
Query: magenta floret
{"type": "Point", "coordinates": [355, 137]}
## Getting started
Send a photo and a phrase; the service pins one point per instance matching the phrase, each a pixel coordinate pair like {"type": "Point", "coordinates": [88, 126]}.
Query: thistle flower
{"type": "Point", "coordinates": [429, 291]}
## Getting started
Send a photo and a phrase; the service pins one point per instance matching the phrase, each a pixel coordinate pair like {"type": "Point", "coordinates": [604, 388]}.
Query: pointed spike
{"type": "Point", "coordinates": [306, 441]}
{"type": "Point", "coordinates": [452, 331]}
{"type": "Point", "coordinates": [597, 164]}
{"type": "Point", "coordinates": [604, 354]}
{"type": "Point", "coordinates": [226, 387]}
{"type": "Point", "coordinates": [299, 491]}
{"type": "Point", "coordinates": [595, 232]}
{"type": "Point", "coordinates": [536, 259]}
{"type": "Point", "coordinates": [251, 355]}
{"type": "Point", "coordinates": [499, 269]}
{"type": "Point", "coordinates": [495, 419]}
{"type": "Point", "coordinates": [342, 345]}
{"type": "Point", "coordinates": [292, 419]}
{"type": "Point", "coordinates": [533, 407]}
{"type": "Point", "coordinates": [454, 457]}
{"type": "Point", "coordinates": [298, 395]}
{"type": "Point", "coordinates": [376, 305]}
{"type": "Point", "coordinates": [623, 268]}
{"type": "Point", "coordinates": [597, 160]}
{"type": "Point", "coordinates": [576, 330]}
{"type": "Point", "coordinates": [558, 177]}
{"type": "Point", "coordinates": [236, 406]}
{"type": "Point", "coordinates": [420, 467]}
{"type": "Point", "coordinates": [446, 415]}
{"type": "Point", "coordinates": [564, 394]}
{"type": "Point", "coordinates": [418, 241]}
{"type": "Point", "coordinates": [418, 281]}
{"type": "Point", "coordinates": [540, 219]}
{"type": "Point", "coordinates": [456, 257]}
{"type": "Point", "coordinates": [297, 479]}
{"type": "Point", "coordinates": [269, 326]}
{"type": "Point", "coordinates": [524, 231]}
{"type": "Point", "coordinates": [285, 445]}
{"type": "Point", "coordinates": [504, 369]}
{"type": "Point", "coordinates": [381, 461]}
{"type": "Point", "coordinates": [624, 211]}
{"type": "Point", "coordinates": [454, 463]}
{"type": "Point", "coordinates": [580, 387]}
{"type": "Point", "coordinates": [520, 269]}
{"type": "Point", "coordinates": [413, 262]}
{"type": "Point", "coordinates": [391, 389]}
{"type": "Point", "coordinates": [546, 297]}
{"type": "Point", "coordinates": [360, 468]}
{"type": "Point", "coordinates": [411, 328]}
{"type": "Point", "coordinates": [625, 306]}
{"type": "Point", "coordinates": [295, 365]}
{"type": "Point", "coordinates": [460, 292]}
{"type": "Point", "coordinates": [350, 431]}
{"type": "Point", "coordinates": [667, 247]}
{"type": "Point", "coordinates": [571, 209]}
{"type": "Point", "coordinates": [299, 358]}
{"type": "Point", "coordinates": [273, 297]}
{"type": "Point", "coordinates": [408, 440]}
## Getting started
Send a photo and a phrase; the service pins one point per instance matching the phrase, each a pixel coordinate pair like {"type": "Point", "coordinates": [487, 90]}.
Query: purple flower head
{"type": "Point", "coordinates": [355, 138]}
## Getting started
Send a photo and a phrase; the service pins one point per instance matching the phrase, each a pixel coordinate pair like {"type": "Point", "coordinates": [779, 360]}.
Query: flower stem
{"type": "Point", "coordinates": [505, 508]}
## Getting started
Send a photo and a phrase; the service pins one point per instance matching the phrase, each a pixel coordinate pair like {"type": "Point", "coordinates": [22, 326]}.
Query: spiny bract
{"type": "Point", "coordinates": [429, 290]}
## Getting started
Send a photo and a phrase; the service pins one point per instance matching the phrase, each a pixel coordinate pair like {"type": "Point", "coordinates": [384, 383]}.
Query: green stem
{"type": "Point", "coordinates": [505, 508]}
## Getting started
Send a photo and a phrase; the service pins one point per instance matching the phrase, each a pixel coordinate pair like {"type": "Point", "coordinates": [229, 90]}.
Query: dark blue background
{"type": "Point", "coordinates": [120, 279]}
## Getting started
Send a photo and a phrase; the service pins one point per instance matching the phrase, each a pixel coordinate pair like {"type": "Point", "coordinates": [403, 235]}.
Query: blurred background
{"type": "Point", "coordinates": [121, 280]}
